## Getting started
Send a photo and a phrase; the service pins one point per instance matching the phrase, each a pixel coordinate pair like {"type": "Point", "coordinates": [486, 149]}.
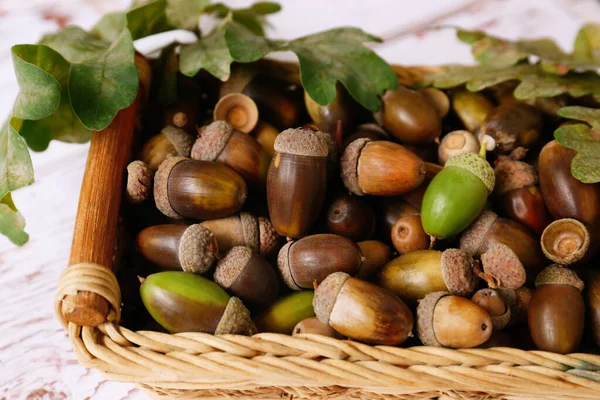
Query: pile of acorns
{"type": "Point", "coordinates": [255, 220]}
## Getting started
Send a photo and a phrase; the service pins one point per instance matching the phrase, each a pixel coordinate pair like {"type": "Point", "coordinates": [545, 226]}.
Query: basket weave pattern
{"type": "Point", "coordinates": [267, 365]}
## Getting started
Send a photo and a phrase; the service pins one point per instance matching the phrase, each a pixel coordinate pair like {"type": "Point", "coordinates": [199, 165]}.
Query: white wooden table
{"type": "Point", "coordinates": [36, 361]}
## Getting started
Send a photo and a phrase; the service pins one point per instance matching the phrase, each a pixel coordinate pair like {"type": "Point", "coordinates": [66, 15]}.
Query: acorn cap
{"type": "Point", "coordinates": [301, 142]}
{"type": "Point", "coordinates": [326, 295]}
{"type": "Point", "coordinates": [500, 321]}
{"type": "Point", "coordinates": [211, 140]}
{"type": "Point", "coordinates": [565, 241]}
{"type": "Point", "coordinates": [269, 238]}
{"type": "Point", "coordinates": [231, 266]}
{"type": "Point", "coordinates": [139, 182]}
{"type": "Point", "coordinates": [161, 180]}
{"type": "Point", "coordinates": [504, 265]}
{"type": "Point", "coordinates": [180, 140]}
{"type": "Point", "coordinates": [474, 235]}
{"type": "Point", "coordinates": [349, 165]}
{"type": "Point", "coordinates": [558, 275]}
{"type": "Point", "coordinates": [197, 249]}
{"type": "Point", "coordinates": [237, 109]}
{"type": "Point", "coordinates": [283, 264]}
{"type": "Point", "coordinates": [236, 320]}
{"type": "Point", "coordinates": [457, 271]}
{"type": "Point", "coordinates": [512, 175]}
{"type": "Point", "coordinates": [425, 318]}
{"type": "Point", "coordinates": [477, 166]}
{"type": "Point", "coordinates": [250, 230]}
{"type": "Point", "coordinates": [332, 148]}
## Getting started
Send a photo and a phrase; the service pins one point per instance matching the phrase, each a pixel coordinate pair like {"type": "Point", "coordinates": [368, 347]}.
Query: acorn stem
{"type": "Point", "coordinates": [490, 279]}
{"type": "Point", "coordinates": [483, 149]}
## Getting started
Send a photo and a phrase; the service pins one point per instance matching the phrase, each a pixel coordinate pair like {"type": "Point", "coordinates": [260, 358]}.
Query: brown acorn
{"type": "Point", "coordinates": [513, 125]}
{"type": "Point", "coordinates": [179, 247]}
{"type": "Point", "coordinates": [438, 98]}
{"type": "Point", "coordinates": [296, 181]}
{"type": "Point", "coordinates": [351, 216]}
{"type": "Point", "coordinates": [410, 116]}
{"type": "Point", "coordinates": [362, 310]}
{"type": "Point", "coordinates": [194, 189]}
{"type": "Point", "coordinates": [493, 302]}
{"type": "Point", "coordinates": [344, 108]}
{"type": "Point", "coordinates": [390, 210]}
{"type": "Point", "coordinates": [276, 102]}
{"type": "Point", "coordinates": [412, 276]}
{"type": "Point", "coordinates": [140, 179]}
{"type": "Point", "coordinates": [238, 110]}
{"type": "Point", "coordinates": [244, 229]}
{"type": "Point", "coordinates": [592, 297]}
{"type": "Point", "coordinates": [247, 275]}
{"type": "Point", "coordinates": [265, 134]}
{"type": "Point", "coordinates": [380, 168]}
{"type": "Point", "coordinates": [221, 143]}
{"type": "Point", "coordinates": [171, 141]}
{"type": "Point", "coordinates": [471, 107]}
{"type": "Point", "coordinates": [455, 143]}
{"type": "Point", "coordinates": [365, 131]}
{"type": "Point", "coordinates": [489, 229]}
{"type": "Point", "coordinates": [518, 194]}
{"type": "Point", "coordinates": [313, 326]}
{"type": "Point", "coordinates": [408, 235]}
{"type": "Point", "coordinates": [518, 301]}
{"type": "Point", "coordinates": [445, 320]}
{"type": "Point", "coordinates": [375, 255]}
{"type": "Point", "coordinates": [557, 312]}
{"type": "Point", "coordinates": [313, 258]}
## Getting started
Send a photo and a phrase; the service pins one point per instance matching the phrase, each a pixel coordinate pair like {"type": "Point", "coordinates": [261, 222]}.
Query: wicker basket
{"type": "Point", "coordinates": [268, 365]}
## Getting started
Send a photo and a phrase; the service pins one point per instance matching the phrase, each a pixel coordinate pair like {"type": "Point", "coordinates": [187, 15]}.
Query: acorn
{"type": "Point", "coordinates": [362, 310]}
{"type": "Point", "coordinates": [410, 116]}
{"type": "Point", "coordinates": [265, 134]}
{"type": "Point", "coordinates": [380, 168]}
{"type": "Point", "coordinates": [456, 195]}
{"type": "Point", "coordinates": [412, 276]}
{"type": "Point", "coordinates": [283, 315]}
{"type": "Point", "coordinates": [248, 276]}
{"type": "Point", "coordinates": [350, 216]}
{"type": "Point", "coordinates": [140, 179]}
{"type": "Point", "coordinates": [221, 143]}
{"type": "Point", "coordinates": [451, 321]}
{"type": "Point", "coordinates": [518, 301]}
{"type": "Point", "coordinates": [313, 258]}
{"type": "Point", "coordinates": [592, 297]}
{"type": "Point", "coordinates": [184, 302]}
{"type": "Point", "coordinates": [195, 189]}
{"type": "Point", "coordinates": [471, 107]}
{"type": "Point", "coordinates": [190, 248]}
{"type": "Point", "coordinates": [513, 125]}
{"type": "Point", "coordinates": [565, 196]}
{"type": "Point", "coordinates": [489, 230]}
{"type": "Point", "coordinates": [493, 302]}
{"type": "Point", "coordinates": [455, 143]}
{"type": "Point", "coordinates": [557, 312]}
{"type": "Point", "coordinates": [364, 131]}
{"type": "Point", "coordinates": [333, 157]}
{"type": "Point", "coordinates": [343, 108]}
{"type": "Point", "coordinates": [518, 195]}
{"type": "Point", "coordinates": [566, 242]}
{"type": "Point", "coordinates": [244, 229]}
{"type": "Point", "coordinates": [238, 110]}
{"type": "Point", "coordinates": [375, 255]}
{"type": "Point", "coordinates": [313, 326]}
{"type": "Point", "coordinates": [296, 181]}
{"type": "Point", "coordinates": [171, 141]}
{"type": "Point", "coordinates": [276, 101]}
{"type": "Point", "coordinates": [502, 267]}
{"type": "Point", "coordinates": [390, 210]}
{"type": "Point", "coordinates": [438, 98]}
{"type": "Point", "coordinates": [408, 235]}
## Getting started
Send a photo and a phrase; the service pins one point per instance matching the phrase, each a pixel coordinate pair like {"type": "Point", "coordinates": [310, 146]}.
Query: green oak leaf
{"type": "Point", "coordinates": [100, 87]}
{"type": "Point", "coordinates": [245, 46]}
{"type": "Point", "coordinates": [587, 43]}
{"type": "Point", "coordinates": [12, 223]}
{"type": "Point", "coordinates": [75, 44]}
{"type": "Point", "coordinates": [16, 169]}
{"type": "Point", "coordinates": [148, 19]}
{"type": "Point", "coordinates": [584, 139]}
{"type": "Point", "coordinates": [252, 17]}
{"type": "Point", "coordinates": [110, 26]}
{"type": "Point", "coordinates": [185, 14]}
{"type": "Point", "coordinates": [265, 7]}
{"type": "Point", "coordinates": [209, 53]}
{"type": "Point", "coordinates": [40, 72]}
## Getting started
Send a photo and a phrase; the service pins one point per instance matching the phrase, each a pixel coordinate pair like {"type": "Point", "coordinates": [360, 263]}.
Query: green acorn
{"type": "Point", "coordinates": [457, 194]}
{"type": "Point", "coordinates": [185, 302]}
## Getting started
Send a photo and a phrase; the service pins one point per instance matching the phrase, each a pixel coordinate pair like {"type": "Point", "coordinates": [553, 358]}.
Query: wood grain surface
{"type": "Point", "coordinates": [36, 361]}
